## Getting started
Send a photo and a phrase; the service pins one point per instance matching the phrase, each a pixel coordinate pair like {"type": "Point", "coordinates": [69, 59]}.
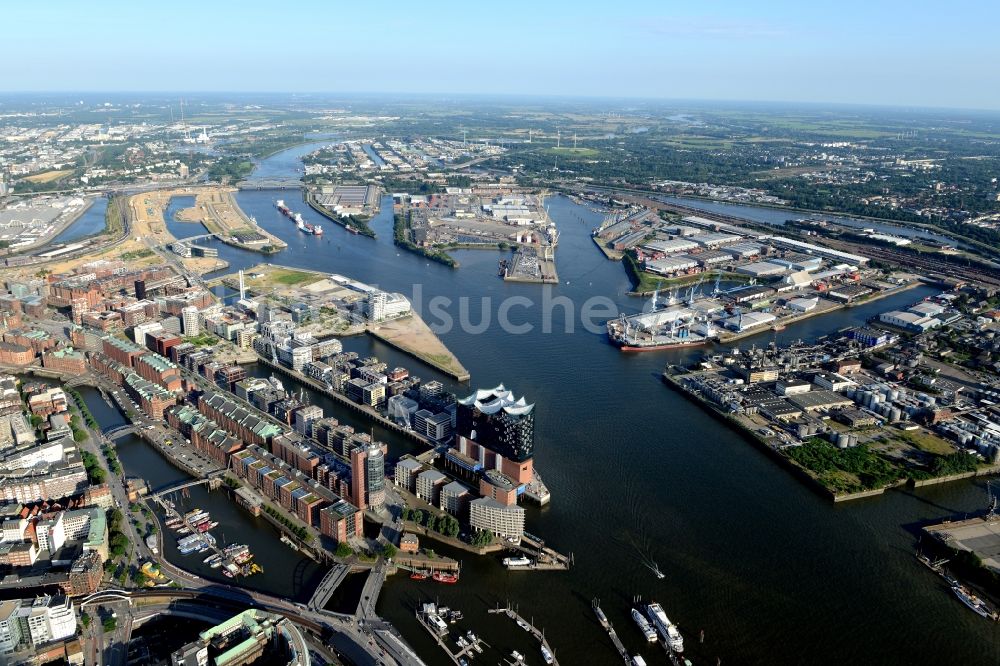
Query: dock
{"type": "Point", "coordinates": [606, 623]}
{"type": "Point", "coordinates": [546, 559]}
{"type": "Point", "coordinates": [439, 631]}
{"type": "Point", "coordinates": [534, 631]}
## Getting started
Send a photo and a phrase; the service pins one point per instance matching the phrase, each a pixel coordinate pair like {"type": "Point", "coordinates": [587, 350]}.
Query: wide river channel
{"type": "Point", "coordinates": [772, 572]}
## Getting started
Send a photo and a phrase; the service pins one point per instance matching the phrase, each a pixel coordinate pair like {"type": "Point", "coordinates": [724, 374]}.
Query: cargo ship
{"type": "Point", "coordinates": [300, 224]}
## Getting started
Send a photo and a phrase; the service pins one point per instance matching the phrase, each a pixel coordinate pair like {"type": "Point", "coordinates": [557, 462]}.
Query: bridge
{"type": "Point", "coordinates": [270, 184]}
{"type": "Point", "coordinates": [101, 596]}
{"type": "Point", "coordinates": [212, 481]}
{"type": "Point", "coordinates": [192, 239]}
{"type": "Point", "coordinates": [331, 581]}
{"type": "Point", "coordinates": [120, 431]}
{"type": "Point", "coordinates": [79, 380]}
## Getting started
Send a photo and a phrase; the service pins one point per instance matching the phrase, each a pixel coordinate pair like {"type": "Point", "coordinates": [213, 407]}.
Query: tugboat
{"type": "Point", "coordinates": [418, 575]}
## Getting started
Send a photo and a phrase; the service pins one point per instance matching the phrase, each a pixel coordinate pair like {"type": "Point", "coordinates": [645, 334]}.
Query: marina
{"type": "Point", "coordinates": [437, 619]}
{"type": "Point", "coordinates": [547, 652]}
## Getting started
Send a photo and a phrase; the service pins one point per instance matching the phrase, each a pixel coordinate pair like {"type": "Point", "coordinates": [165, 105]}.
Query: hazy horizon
{"type": "Point", "coordinates": [891, 54]}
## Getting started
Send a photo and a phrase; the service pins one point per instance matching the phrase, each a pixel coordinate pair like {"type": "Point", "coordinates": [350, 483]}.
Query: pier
{"type": "Point", "coordinates": [546, 559]}
{"type": "Point", "coordinates": [439, 631]}
{"type": "Point", "coordinates": [606, 623]}
{"type": "Point", "coordinates": [171, 511]}
{"type": "Point", "coordinates": [531, 629]}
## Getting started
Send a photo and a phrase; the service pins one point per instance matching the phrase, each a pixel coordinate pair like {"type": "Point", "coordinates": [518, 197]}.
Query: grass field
{"type": "Point", "coordinates": [49, 176]}
{"type": "Point", "coordinates": [928, 442]}
{"type": "Point", "coordinates": [289, 277]}
{"type": "Point", "coordinates": [574, 152]}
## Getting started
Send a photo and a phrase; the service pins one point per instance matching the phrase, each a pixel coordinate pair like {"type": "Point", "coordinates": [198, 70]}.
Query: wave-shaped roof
{"type": "Point", "coordinates": [492, 401]}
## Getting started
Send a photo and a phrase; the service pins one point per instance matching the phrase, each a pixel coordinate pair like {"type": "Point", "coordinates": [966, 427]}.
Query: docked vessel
{"type": "Point", "coordinates": [443, 577]}
{"type": "Point", "coordinates": [601, 617]}
{"type": "Point", "coordinates": [668, 630]}
{"type": "Point", "coordinates": [516, 562]}
{"type": "Point", "coordinates": [524, 625]}
{"type": "Point", "coordinates": [637, 660]}
{"type": "Point", "coordinates": [547, 655]}
{"type": "Point", "coordinates": [972, 601]}
{"type": "Point", "coordinates": [418, 575]}
{"type": "Point", "coordinates": [644, 626]}
{"type": "Point", "coordinates": [667, 325]}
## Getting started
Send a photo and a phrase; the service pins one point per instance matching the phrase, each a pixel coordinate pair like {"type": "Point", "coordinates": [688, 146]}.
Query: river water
{"type": "Point", "coordinates": [91, 222]}
{"type": "Point", "coordinates": [771, 571]}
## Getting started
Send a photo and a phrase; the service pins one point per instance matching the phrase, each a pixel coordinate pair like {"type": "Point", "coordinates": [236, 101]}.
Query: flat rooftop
{"type": "Point", "coordinates": [977, 535]}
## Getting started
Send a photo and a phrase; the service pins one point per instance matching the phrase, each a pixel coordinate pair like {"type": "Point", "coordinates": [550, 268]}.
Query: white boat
{"type": "Point", "coordinates": [517, 656]}
{"type": "Point", "coordinates": [972, 601]}
{"type": "Point", "coordinates": [524, 625]}
{"type": "Point", "coordinates": [546, 655]}
{"type": "Point", "coordinates": [637, 660]}
{"type": "Point", "coordinates": [668, 630]}
{"type": "Point", "coordinates": [516, 562]}
{"type": "Point", "coordinates": [644, 626]}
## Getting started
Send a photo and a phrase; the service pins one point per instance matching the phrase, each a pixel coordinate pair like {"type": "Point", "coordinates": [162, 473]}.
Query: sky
{"type": "Point", "coordinates": [886, 52]}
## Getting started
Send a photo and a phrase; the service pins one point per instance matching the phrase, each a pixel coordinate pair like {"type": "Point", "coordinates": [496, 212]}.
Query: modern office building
{"type": "Point", "coordinates": [497, 431]}
{"type": "Point", "coordinates": [189, 321]}
{"type": "Point", "coordinates": [10, 628]}
{"type": "Point", "coordinates": [48, 618]}
{"type": "Point", "coordinates": [368, 476]}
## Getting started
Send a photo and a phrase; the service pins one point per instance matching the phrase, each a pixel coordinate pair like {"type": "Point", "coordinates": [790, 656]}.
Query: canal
{"type": "Point", "coordinates": [770, 570]}
{"type": "Point", "coordinates": [286, 573]}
